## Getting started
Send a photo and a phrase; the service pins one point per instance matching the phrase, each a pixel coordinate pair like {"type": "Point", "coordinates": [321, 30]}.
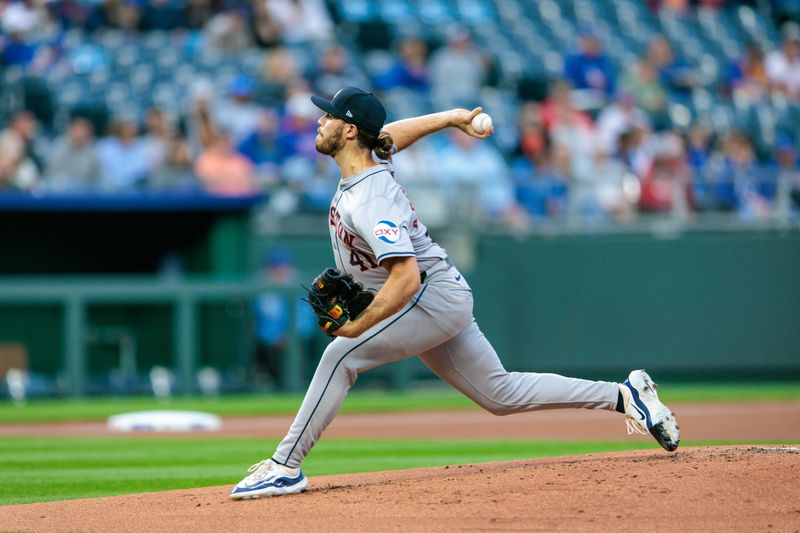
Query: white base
{"type": "Point", "coordinates": [164, 421]}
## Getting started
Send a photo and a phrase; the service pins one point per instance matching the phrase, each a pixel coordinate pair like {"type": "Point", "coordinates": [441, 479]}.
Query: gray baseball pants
{"type": "Point", "coordinates": [438, 327]}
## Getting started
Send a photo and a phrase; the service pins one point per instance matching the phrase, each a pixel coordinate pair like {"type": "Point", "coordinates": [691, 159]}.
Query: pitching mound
{"type": "Point", "coordinates": [744, 488]}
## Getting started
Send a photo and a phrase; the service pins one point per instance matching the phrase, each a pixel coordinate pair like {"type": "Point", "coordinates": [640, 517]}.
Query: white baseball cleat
{"type": "Point", "coordinates": [269, 478]}
{"type": "Point", "coordinates": [645, 412]}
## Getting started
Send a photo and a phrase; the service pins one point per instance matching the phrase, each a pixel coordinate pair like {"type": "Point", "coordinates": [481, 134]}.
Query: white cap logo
{"type": "Point", "coordinates": [349, 114]}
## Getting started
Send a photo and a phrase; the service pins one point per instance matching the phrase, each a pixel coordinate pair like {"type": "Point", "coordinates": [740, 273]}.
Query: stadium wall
{"type": "Point", "coordinates": [717, 305]}
{"type": "Point", "coordinates": [697, 306]}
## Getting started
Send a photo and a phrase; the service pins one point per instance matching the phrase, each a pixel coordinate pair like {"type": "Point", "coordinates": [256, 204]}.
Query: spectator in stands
{"type": "Point", "coordinates": [642, 81]}
{"type": "Point", "coordinates": [681, 8]}
{"type": "Point", "coordinates": [301, 21]}
{"type": "Point", "coordinates": [665, 187]}
{"type": "Point", "coordinates": [421, 183]}
{"type": "Point", "coordinates": [198, 13]}
{"type": "Point", "coordinates": [735, 177]}
{"type": "Point", "coordinates": [298, 127]}
{"type": "Point", "coordinates": [474, 171]}
{"type": "Point", "coordinates": [558, 109]}
{"type": "Point", "coordinates": [783, 65]}
{"type": "Point", "coordinates": [532, 136]}
{"type": "Point", "coordinates": [788, 180]}
{"type": "Point", "coordinates": [176, 173]}
{"type": "Point", "coordinates": [280, 71]}
{"type": "Point", "coordinates": [336, 71]}
{"type": "Point", "coordinates": [261, 146]}
{"type": "Point", "coordinates": [541, 187]}
{"type": "Point", "coordinates": [220, 169]}
{"type": "Point", "coordinates": [76, 14]}
{"type": "Point", "coordinates": [635, 151]}
{"type": "Point", "coordinates": [305, 174]}
{"type": "Point", "coordinates": [570, 127]}
{"type": "Point", "coordinates": [229, 31]}
{"type": "Point", "coordinates": [238, 113]}
{"type": "Point", "coordinates": [540, 175]}
{"type": "Point", "coordinates": [746, 80]}
{"type": "Point", "coordinates": [271, 314]}
{"type": "Point", "coordinates": [73, 163]}
{"type": "Point", "coordinates": [612, 193]}
{"type": "Point", "coordinates": [18, 21]}
{"type": "Point", "coordinates": [199, 101]}
{"type": "Point", "coordinates": [622, 115]}
{"type": "Point", "coordinates": [596, 192]}
{"type": "Point", "coordinates": [266, 29]}
{"type": "Point", "coordinates": [123, 14]}
{"type": "Point", "coordinates": [459, 60]}
{"type": "Point", "coordinates": [675, 76]}
{"type": "Point", "coordinates": [18, 167]}
{"type": "Point", "coordinates": [698, 155]}
{"type": "Point", "coordinates": [698, 149]}
{"type": "Point", "coordinates": [409, 70]}
{"type": "Point", "coordinates": [673, 7]}
{"type": "Point", "coordinates": [125, 160]}
{"type": "Point", "coordinates": [157, 138]}
{"type": "Point", "coordinates": [590, 72]}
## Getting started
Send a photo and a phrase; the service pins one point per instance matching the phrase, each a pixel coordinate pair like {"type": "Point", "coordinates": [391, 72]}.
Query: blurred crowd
{"type": "Point", "coordinates": [596, 143]}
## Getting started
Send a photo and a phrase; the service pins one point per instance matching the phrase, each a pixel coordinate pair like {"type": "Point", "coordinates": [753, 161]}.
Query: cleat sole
{"type": "Point", "coordinates": [660, 434]}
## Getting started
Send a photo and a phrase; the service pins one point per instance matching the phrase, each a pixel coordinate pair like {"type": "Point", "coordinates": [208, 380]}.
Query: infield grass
{"type": "Point", "coordinates": [357, 402]}
{"type": "Point", "coordinates": [47, 469]}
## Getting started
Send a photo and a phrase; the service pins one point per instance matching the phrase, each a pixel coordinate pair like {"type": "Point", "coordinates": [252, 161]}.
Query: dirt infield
{"type": "Point", "coordinates": [745, 488]}
{"type": "Point", "coordinates": [765, 421]}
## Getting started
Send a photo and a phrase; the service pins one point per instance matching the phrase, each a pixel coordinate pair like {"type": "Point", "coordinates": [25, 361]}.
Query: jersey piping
{"type": "Point", "coordinates": [333, 371]}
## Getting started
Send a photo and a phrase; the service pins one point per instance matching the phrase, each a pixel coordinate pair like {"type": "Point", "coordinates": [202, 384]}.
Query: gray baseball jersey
{"type": "Point", "coordinates": [372, 219]}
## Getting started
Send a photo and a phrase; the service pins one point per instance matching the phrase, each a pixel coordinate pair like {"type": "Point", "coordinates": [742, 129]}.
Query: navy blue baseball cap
{"type": "Point", "coordinates": [356, 106]}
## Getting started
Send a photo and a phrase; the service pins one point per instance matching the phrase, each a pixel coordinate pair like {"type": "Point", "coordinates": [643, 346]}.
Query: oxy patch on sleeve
{"type": "Point", "coordinates": [387, 231]}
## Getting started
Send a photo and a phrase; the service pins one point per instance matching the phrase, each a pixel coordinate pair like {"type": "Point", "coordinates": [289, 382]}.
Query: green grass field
{"type": "Point", "coordinates": [361, 402]}
{"type": "Point", "coordinates": [39, 469]}
{"type": "Point", "coordinates": [51, 468]}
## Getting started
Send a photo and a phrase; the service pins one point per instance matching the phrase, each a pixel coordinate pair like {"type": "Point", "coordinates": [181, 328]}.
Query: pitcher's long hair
{"type": "Point", "coordinates": [381, 144]}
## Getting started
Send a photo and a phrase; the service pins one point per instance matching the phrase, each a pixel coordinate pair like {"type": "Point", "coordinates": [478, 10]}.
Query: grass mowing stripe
{"type": "Point", "coordinates": [33, 470]}
{"type": "Point", "coordinates": [235, 405]}
{"type": "Point", "coordinates": [357, 401]}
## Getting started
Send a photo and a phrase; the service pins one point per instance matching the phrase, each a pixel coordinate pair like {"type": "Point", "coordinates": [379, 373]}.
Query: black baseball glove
{"type": "Point", "coordinates": [337, 298]}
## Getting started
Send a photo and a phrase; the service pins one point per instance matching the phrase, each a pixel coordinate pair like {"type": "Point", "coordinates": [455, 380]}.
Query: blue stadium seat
{"type": "Point", "coordinates": [436, 12]}
{"type": "Point", "coordinates": [167, 60]}
{"type": "Point", "coordinates": [356, 10]}
{"type": "Point", "coordinates": [156, 40]}
{"type": "Point", "coordinates": [111, 39]}
{"type": "Point", "coordinates": [398, 12]}
{"type": "Point", "coordinates": [376, 62]}
{"type": "Point", "coordinates": [757, 27]}
{"type": "Point", "coordinates": [508, 11]}
{"type": "Point", "coordinates": [476, 11]}
{"type": "Point", "coordinates": [99, 79]}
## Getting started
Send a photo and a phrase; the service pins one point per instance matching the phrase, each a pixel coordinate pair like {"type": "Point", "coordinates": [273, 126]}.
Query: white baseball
{"type": "Point", "coordinates": [481, 122]}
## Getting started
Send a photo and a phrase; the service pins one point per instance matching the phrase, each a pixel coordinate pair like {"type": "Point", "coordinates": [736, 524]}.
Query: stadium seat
{"type": "Point", "coordinates": [355, 10]}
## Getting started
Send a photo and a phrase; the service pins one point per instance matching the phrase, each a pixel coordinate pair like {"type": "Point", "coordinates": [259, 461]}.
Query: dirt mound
{"type": "Point", "coordinates": [743, 488]}
{"type": "Point", "coordinates": [762, 421]}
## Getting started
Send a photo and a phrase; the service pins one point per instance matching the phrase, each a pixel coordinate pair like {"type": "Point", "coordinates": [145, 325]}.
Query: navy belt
{"type": "Point", "coordinates": [424, 275]}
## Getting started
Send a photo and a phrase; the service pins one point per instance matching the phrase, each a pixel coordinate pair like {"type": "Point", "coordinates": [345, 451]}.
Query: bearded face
{"type": "Point", "coordinates": [329, 139]}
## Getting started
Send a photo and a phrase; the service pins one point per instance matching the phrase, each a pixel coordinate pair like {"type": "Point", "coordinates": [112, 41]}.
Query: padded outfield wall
{"type": "Point", "coordinates": [703, 305]}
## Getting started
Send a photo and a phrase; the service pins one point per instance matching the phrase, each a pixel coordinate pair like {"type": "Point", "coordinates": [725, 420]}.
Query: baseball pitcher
{"type": "Point", "coordinates": [395, 294]}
